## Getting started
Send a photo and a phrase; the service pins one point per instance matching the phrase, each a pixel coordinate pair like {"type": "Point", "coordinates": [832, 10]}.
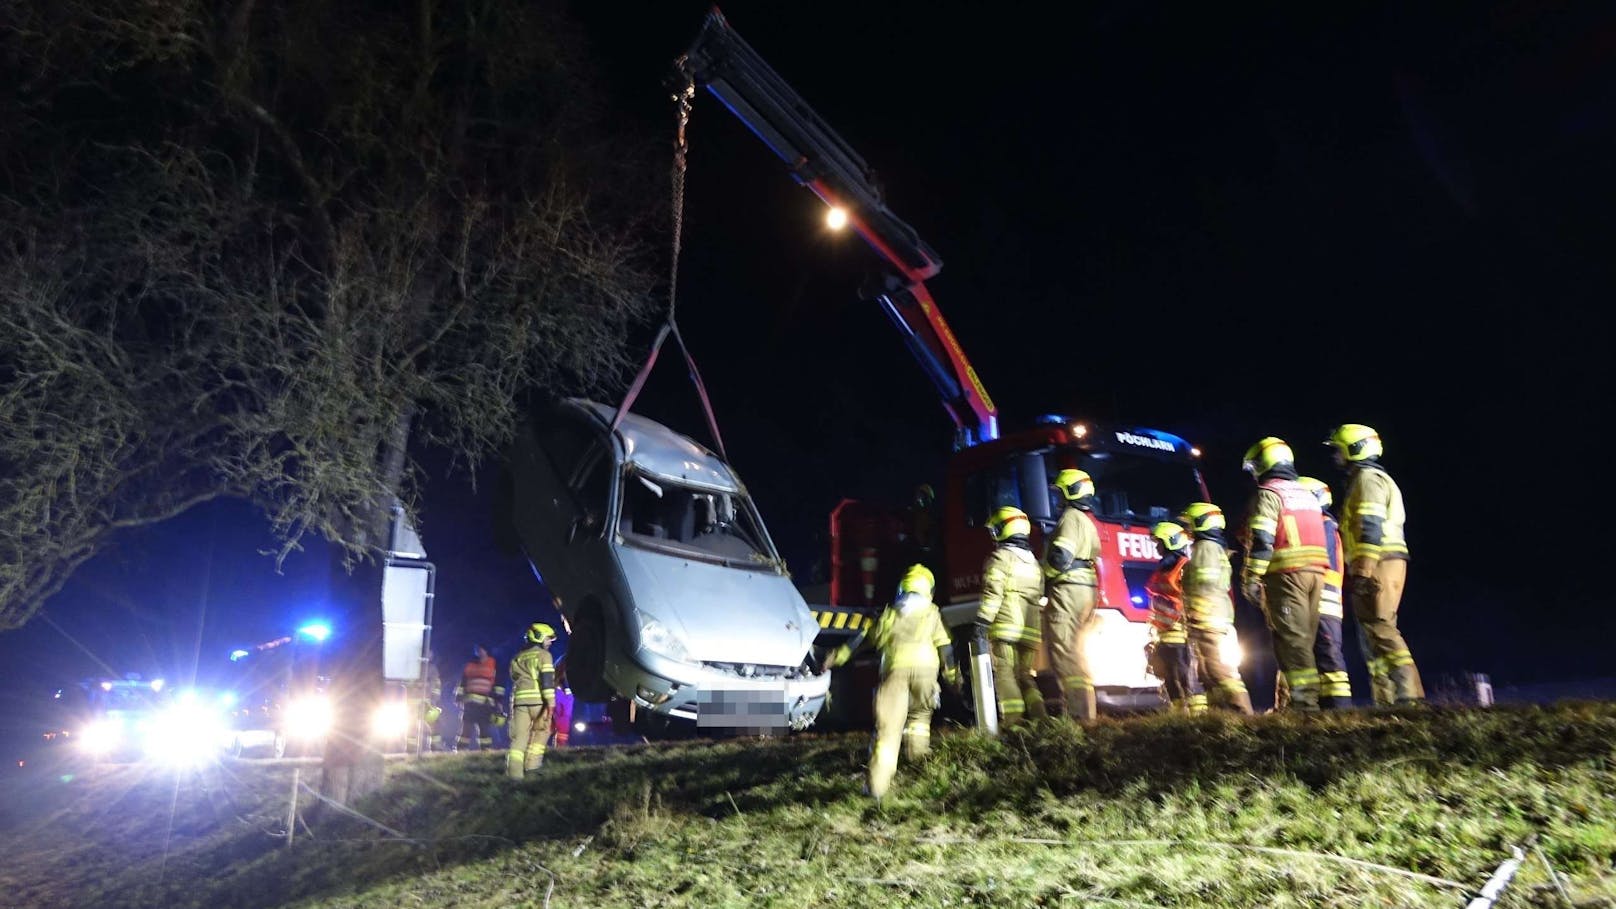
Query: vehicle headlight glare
{"type": "Point", "coordinates": [308, 717]}
{"type": "Point", "coordinates": [101, 736]}
{"type": "Point", "coordinates": [391, 720]}
{"type": "Point", "coordinates": [184, 734]}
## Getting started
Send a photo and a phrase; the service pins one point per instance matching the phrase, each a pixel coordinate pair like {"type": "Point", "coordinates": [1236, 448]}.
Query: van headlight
{"type": "Point", "coordinates": [660, 639]}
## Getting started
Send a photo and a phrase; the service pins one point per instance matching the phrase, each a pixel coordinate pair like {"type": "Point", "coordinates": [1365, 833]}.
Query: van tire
{"type": "Point", "coordinates": [586, 655]}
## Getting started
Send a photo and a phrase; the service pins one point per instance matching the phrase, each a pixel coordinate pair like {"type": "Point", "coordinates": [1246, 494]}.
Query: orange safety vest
{"type": "Point", "coordinates": [478, 677]}
{"type": "Point", "coordinates": [1166, 591]}
{"type": "Point", "coordinates": [1299, 542]}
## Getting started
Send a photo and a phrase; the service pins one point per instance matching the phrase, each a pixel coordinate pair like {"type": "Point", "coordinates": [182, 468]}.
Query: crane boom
{"type": "Point", "coordinates": [820, 159]}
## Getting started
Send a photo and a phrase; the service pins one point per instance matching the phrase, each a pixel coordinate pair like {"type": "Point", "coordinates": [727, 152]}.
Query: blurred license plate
{"type": "Point", "coordinates": [755, 705]}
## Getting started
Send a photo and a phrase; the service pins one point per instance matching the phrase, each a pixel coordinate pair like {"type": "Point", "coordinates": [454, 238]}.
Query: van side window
{"type": "Point", "coordinates": [593, 486]}
{"type": "Point", "coordinates": [564, 440]}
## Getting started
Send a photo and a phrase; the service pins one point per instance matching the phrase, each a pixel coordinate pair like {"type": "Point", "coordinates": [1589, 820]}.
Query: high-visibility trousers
{"type": "Point", "coordinates": [903, 706]}
{"type": "Point", "coordinates": [1375, 600]}
{"type": "Point", "coordinates": [1291, 605]}
{"type": "Point", "coordinates": [1015, 683]}
{"type": "Point", "coordinates": [1068, 619]}
{"type": "Point", "coordinates": [1224, 686]}
{"type": "Point", "coordinates": [1335, 689]}
{"type": "Point", "coordinates": [530, 732]}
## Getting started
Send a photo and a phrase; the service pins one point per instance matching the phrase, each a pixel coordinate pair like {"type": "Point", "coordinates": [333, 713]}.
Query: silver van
{"type": "Point", "coordinates": [672, 592]}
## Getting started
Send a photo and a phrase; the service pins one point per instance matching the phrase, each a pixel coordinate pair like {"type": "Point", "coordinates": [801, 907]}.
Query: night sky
{"type": "Point", "coordinates": [1225, 224]}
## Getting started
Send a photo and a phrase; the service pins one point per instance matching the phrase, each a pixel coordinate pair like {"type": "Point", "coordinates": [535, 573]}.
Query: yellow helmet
{"type": "Point", "coordinates": [1319, 488]}
{"type": "Point", "coordinates": [1266, 455]}
{"type": "Point", "coordinates": [1074, 484]}
{"type": "Point", "coordinates": [1171, 536]}
{"type": "Point", "coordinates": [1202, 517]}
{"type": "Point", "coordinates": [538, 633]}
{"type": "Point", "coordinates": [1354, 442]}
{"type": "Point", "coordinates": [1008, 522]}
{"type": "Point", "coordinates": [918, 579]}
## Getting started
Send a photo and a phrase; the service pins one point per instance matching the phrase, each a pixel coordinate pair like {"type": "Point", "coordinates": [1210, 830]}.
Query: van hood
{"type": "Point", "coordinates": [724, 615]}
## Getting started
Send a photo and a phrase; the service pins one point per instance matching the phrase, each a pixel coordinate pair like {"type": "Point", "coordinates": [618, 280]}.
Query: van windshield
{"type": "Point", "coordinates": [661, 514]}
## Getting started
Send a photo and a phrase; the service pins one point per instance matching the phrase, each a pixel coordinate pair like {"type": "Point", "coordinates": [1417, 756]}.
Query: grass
{"type": "Point", "coordinates": [1360, 809]}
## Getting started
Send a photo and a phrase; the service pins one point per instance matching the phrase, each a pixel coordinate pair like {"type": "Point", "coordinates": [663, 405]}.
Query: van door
{"type": "Point", "coordinates": [549, 513]}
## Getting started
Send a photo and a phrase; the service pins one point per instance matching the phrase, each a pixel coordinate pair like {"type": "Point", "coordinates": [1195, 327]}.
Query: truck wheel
{"type": "Point", "coordinates": [586, 655]}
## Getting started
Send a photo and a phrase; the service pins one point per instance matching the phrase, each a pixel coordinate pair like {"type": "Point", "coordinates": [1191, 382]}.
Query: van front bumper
{"type": "Point", "coordinates": [722, 695]}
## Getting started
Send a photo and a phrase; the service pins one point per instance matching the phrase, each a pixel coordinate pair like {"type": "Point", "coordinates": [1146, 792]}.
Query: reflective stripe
{"type": "Point", "coordinates": [1076, 681]}
{"type": "Point", "coordinates": [1335, 684]}
{"type": "Point", "coordinates": [1399, 658]}
{"type": "Point", "coordinates": [1302, 678]}
{"type": "Point", "coordinates": [1232, 684]}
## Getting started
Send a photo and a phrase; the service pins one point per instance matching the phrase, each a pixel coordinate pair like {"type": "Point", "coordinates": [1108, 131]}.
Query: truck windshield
{"type": "Point", "coordinates": [1131, 490]}
{"type": "Point", "coordinates": [717, 526]}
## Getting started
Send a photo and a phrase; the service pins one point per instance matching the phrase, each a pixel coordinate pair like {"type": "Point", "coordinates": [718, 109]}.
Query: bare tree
{"type": "Point", "coordinates": [253, 250]}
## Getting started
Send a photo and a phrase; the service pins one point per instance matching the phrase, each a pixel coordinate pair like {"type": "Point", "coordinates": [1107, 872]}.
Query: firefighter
{"type": "Point", "coordinates": [1169, 652]}
{"type": "Point", "coordinates": [1071, 583]}
{"type": "Point", "coordinates": [1335, 689]}
{"type": "Point", "coordinates": [1208, 607]}
{"type": "Point", "coordinates": [479, 697]}
{"type": "Point", "coordinates": [1377, 562]}
{"type": "Point", "coordinates": [533, 698]}
{"type": "Point", "coordinates": [1009, 616]}
{"type": "Point", "coordinates": [1284, 565]}
{"type": "Point", "coordinates": [914, 645]}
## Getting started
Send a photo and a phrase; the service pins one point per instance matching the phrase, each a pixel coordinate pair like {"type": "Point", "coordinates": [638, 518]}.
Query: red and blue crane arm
{"type": "Point", "coordinates": [820, 159]}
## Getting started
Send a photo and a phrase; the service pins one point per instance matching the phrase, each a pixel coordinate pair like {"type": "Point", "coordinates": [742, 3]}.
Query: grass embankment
{"type": "Point", "coordinates": [1153, 811]}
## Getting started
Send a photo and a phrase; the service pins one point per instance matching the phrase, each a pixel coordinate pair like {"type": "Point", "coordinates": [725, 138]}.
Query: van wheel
{"type": "Point", "coordinates": [586, 655]}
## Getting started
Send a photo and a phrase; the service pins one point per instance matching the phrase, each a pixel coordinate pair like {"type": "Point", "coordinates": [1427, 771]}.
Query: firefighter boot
{"type": "Point", "coordinates": [1381, 690]}
{"type": "Point", "coordinates": [1303, 685]}
{"type": "Point", "coordinates": [1238, 700]}
{"type": "Point", "coordinates": [1405, 682]}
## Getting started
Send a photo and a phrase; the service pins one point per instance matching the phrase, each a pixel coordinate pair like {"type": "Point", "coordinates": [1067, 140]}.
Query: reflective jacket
{"type": "Point", "coordinates": [1286, 530]}
{"type": "Point", "coordinates": [1166, 591]}
{"type": "Point", "coordinates": [1011, 586]}
{"type": "Point", "coordinates": [912, 637]}
{"type": "Point", "coordinates": [1073, 549]}
{"type": "Point", "coordinates": [1330, 600]}
{"type": "Point", "coordinates": [477, 683]}
{"type": "Point", "coordinates": [533, 677]}
{"type": "Point", "coordinates": [1207, 601]}
{"type": "Point", "coordinates": [1372, 519]}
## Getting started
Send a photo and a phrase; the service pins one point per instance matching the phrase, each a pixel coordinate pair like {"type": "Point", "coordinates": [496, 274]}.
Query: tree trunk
{"type": "Point", "coordinates": [354, 764]}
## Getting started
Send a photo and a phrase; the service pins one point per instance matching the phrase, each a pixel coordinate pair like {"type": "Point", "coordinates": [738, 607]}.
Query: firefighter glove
{"type": "Point", "coordinates": [979, 637]}
{"type": "Point", "coordinates": [1253, 590]}
{"type": "Point", "coordinates": [499, 719]}
{"type": "Point", "coordinates": [1363, 589]}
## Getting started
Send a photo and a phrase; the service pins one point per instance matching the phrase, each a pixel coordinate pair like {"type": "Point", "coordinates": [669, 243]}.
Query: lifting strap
{"type": "Point", "coordinates": [682, 99]}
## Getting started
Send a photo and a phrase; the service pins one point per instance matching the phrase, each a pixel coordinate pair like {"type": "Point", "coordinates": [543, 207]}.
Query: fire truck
{"type": "Point", "coordinates": [1142, 475]}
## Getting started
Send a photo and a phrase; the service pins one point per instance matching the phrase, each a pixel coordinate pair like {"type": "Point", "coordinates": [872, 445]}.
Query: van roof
{"type": "Point", "coordinates": [655, 449]}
